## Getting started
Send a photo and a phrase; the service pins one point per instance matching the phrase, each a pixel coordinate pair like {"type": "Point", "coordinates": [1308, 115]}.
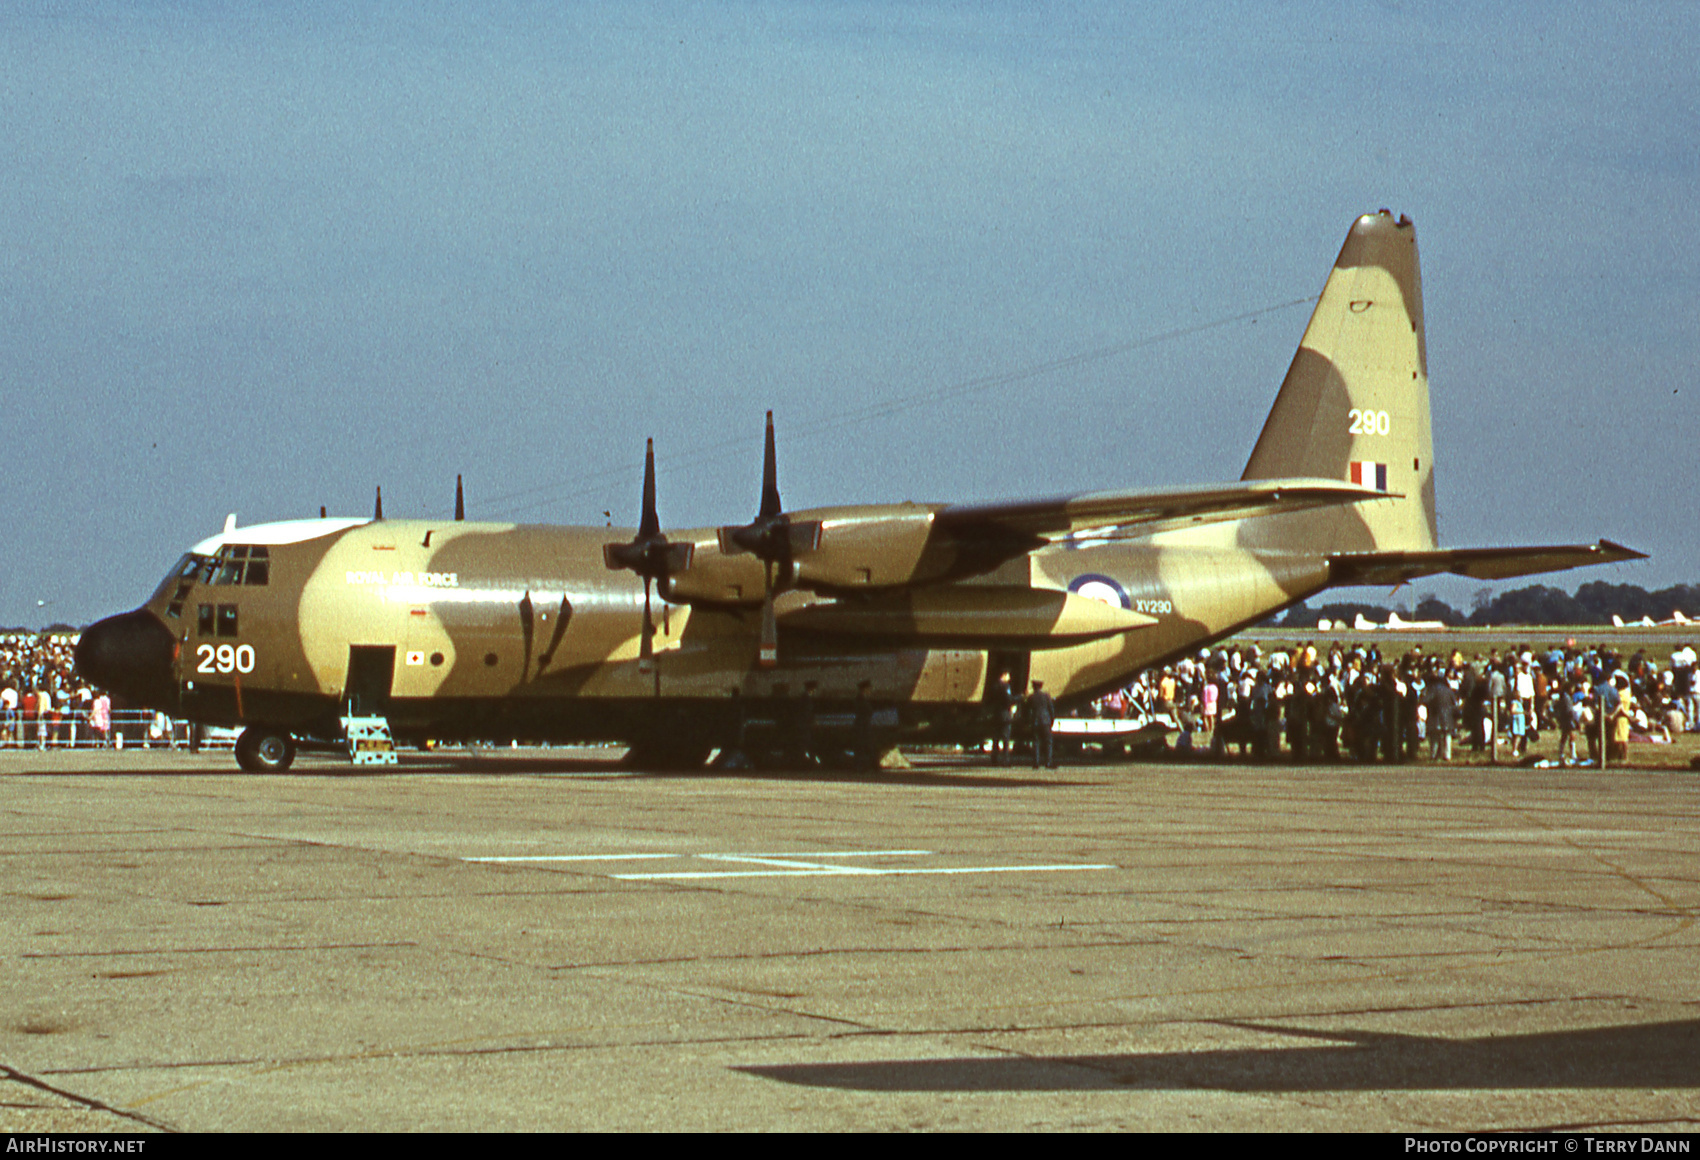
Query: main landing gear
{"type": "Point", "coordinates": [263, 750]}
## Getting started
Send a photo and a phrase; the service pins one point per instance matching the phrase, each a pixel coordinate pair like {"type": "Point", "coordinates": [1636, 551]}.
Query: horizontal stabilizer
{"type": "Point", "coordinates": [1478, 563]}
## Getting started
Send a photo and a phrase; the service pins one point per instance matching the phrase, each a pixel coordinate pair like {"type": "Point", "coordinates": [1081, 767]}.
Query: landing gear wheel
{"type": "Point", "coordinates": [262, 750]}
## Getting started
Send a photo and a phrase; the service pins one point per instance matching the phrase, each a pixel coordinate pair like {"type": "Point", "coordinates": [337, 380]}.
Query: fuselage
{"type": "Point", "coordinates": [457, 630]}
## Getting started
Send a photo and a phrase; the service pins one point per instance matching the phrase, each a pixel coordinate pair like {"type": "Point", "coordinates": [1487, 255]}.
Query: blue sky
{"type": "Point", "coordinates": [265, 257]}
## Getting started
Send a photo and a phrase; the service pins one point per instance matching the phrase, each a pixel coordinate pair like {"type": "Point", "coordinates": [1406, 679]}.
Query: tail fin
{"type": "Point", "coordinates": [1354, 404]}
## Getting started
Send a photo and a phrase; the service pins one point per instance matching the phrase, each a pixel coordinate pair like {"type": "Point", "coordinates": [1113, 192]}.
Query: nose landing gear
{"type": "Point", "coordinates": [263, 750]}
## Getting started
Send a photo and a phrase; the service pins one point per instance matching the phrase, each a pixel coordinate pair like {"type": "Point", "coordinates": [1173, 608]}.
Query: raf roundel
{"type": "Point", "coordinates": [1094, 586]}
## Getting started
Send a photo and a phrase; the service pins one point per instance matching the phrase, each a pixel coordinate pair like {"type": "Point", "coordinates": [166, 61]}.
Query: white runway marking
{"type": "Point", "coordinates": [572, 858]}
{"type": "Point", "coordinates": [801, 864]}
{"type": "Point", "coordinates": [806, 871]}
{"type": "Point", "coordinates": [645, 857]}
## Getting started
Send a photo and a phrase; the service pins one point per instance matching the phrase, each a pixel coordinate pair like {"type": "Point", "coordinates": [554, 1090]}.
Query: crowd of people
{"type": "Point", "coordinates": [44, 704]}
{"type": "Point", "coordinates": [1358, 704]}
{"type": "Point", "coordinates": [1306, 704]}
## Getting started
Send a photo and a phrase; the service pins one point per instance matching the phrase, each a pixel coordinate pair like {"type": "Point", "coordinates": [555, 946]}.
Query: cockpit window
{"type": "Point", "coordinates": [179, 580]}
{"type": "Point", "coordinates": [240, 564]}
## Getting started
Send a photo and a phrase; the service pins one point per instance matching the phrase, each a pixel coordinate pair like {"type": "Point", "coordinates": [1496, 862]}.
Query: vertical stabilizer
{"type": "Point", "coordinates": [1354, 404]}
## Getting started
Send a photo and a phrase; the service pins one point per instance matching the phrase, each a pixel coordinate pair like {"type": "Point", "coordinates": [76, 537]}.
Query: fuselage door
{"type": "Point", "coordinates": [371, 671]}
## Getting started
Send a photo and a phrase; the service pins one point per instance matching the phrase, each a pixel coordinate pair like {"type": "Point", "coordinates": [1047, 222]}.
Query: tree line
{"type": "Point", "coordinates": [1538, 604]}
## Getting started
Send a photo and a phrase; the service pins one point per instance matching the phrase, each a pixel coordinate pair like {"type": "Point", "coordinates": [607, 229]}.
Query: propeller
{"type": "Point", "coordinates": [460, 501]}
{"type": "Point", "coordinates": [378, 508]}
{"type": "Point", "coordinates": [649, 554]}
{"type": "Point", "coordinates": [775, 540]}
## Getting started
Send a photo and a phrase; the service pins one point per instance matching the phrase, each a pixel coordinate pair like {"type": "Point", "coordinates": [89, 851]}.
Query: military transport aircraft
{"type": "Point", "coordinates": [456, 630]}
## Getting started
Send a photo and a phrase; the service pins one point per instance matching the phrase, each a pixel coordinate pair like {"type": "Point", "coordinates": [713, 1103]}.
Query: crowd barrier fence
{"type": "Point", "coordinates": [131, 729]}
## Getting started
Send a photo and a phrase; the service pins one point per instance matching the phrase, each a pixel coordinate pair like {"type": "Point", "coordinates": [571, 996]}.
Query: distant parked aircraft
{"type": "Point", "coordinates": [1395, 623]}
{"type": "Point", "coordinates": [1676, 619]}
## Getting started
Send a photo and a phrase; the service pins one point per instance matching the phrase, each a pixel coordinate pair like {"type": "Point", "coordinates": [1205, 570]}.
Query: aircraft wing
{"type": "Point", "coordinates": [1124, 515]}
{"type": "Point", "coordinates": [1478, 563]}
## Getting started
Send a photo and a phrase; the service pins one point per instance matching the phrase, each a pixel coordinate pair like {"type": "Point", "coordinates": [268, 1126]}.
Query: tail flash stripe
{"type": "Point", "coordinates": [1366, 474]}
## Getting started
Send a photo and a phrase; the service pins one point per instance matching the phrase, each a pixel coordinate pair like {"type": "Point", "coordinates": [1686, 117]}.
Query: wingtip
{"type": "Point", "coordinates": [1618, 551]}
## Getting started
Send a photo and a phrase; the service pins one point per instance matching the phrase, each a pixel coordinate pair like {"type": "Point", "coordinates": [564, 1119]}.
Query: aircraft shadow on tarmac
{"type": "Point", "coordinates": [592, 768]}
{"type": "Point", "coordinates": [923, 777]}
{"type": "Point", "coordinates": [1651, 1055]}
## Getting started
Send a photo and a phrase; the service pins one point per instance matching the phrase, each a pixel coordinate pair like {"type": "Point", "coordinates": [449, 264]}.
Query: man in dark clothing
{"type": "Point", "coordinates": [1409, 699]}
{"type": "Point", "coordinates": [800, 729]}
{"type": "Point", "coordinates": [1476, 708]}
{"type": "Point", "coordinates": [1262, 709]}
{"type": "Point", "coordinates": [1002, 702]}
{"type": "Point", "coordinates": [1442, 705]}
{"type": "Point", "coordinates": [1327, 716]}
{"type": "Point", "coordinates": [1041, 715]}
{"type": "Point", "coordinates": [1299, 713]}
{"type": "Point", "coordinates": [863, 750]}
{"type": "Point", "coordinates": [1366, 718]}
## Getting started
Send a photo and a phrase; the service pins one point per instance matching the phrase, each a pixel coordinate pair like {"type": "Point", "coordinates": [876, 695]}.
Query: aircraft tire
{"type": "Point", "coordinates": [261, 750]}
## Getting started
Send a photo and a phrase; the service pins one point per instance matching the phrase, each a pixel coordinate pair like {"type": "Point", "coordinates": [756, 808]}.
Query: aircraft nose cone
{"type": "Point", "coordinates": [131, 654]}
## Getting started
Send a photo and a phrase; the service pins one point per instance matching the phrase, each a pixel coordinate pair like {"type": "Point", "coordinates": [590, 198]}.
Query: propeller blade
{"type": "Point", "coordinates": [650, 528]}
{"type": "Point", "coordinates": [770, 505]}
{"type": "Point", "coordinates": [460, 501]}
{"type": "Point", "coordinates": [378, 508]}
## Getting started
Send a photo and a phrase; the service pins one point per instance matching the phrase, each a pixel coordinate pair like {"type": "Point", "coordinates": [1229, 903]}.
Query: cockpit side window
{"type": "Point", "coordinates": [179, 581]}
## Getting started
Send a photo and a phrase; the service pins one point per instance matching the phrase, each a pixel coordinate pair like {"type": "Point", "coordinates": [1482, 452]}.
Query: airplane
{"type": "Point", "coordinates": [1395, 623]}
{"type": "Point", "coordinates": [677, 644]}
{"type": "Point", "coordinates": [1399, 624]}
{"type": "Point", "coordinates": [1677, 619]}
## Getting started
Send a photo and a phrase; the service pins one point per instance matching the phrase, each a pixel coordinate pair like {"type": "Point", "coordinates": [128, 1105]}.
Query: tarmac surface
{"type": "Point", "coordinates": [541, 941]}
